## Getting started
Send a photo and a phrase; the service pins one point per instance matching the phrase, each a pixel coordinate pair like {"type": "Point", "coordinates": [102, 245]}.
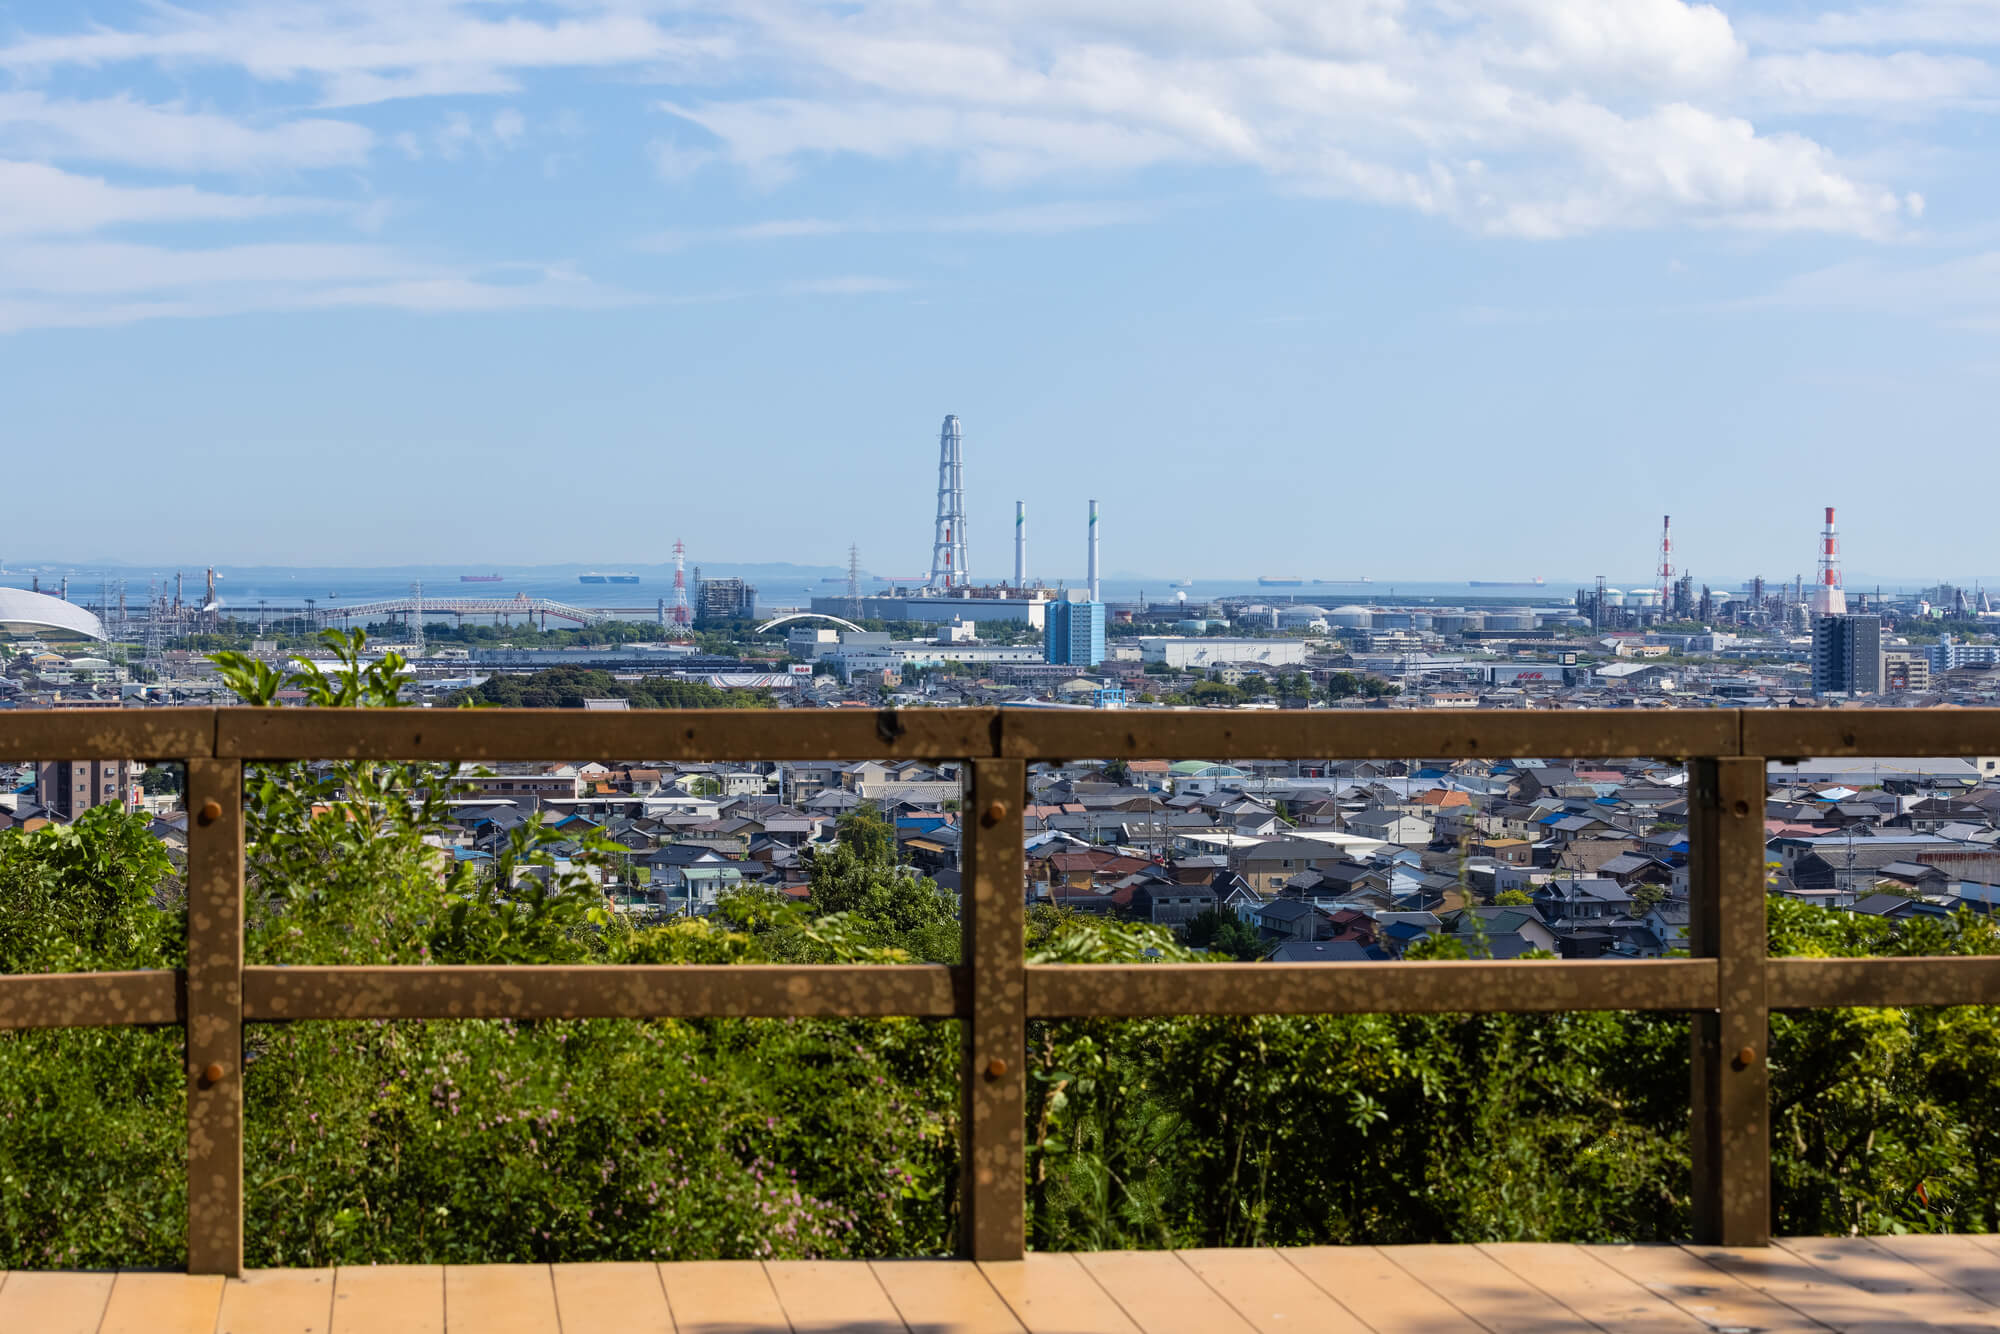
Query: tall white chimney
{"type": "Point", "coordinates": [1094, 594]}
{"type": "Point", "coordinates": [1020, 544]}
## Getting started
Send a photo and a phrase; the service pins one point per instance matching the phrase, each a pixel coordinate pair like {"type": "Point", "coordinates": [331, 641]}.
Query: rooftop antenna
{"type": "Point", "coordinates": [948, 547]}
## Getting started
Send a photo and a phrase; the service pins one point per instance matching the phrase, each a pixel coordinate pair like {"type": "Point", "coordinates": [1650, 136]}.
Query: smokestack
{"type": "Point", "coordinates": [1094, 594]}
{"type": "Point", "coordinates": [1020, 544]}
{"type": "Point", "coordinates": [1828, 598]}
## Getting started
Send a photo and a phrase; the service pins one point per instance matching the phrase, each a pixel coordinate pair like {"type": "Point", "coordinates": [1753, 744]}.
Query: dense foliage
{"type": "Point", "coordinates": [568, 687]}
{"type": "Point", "coordinates": [499, 1141]}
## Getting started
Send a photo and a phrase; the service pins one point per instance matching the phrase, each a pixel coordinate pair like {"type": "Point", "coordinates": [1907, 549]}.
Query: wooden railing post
{"type": "Point", "coordinates": [993, 1073]}
{"type": "Point", "coordinates": [215, 1016]}
{"type": "Point", "coordinates": [1731, 1131]}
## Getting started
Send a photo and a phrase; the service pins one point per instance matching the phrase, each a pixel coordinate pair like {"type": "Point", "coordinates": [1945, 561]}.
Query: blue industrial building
{"type": "Point", "coordinates": [1074, 633]}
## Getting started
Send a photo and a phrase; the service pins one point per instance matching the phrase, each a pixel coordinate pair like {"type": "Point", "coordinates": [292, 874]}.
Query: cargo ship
{"type": "Point", "coordinates": [480, 578]}
{"type": "Point", "coordinates": [1336, 583]}
{"type": "Point", "coordinates": [595, 578]}
{"type": "Point", "coordinates": [1504, 583]}
{"type": "Point", "coordinates": [1279, 581]}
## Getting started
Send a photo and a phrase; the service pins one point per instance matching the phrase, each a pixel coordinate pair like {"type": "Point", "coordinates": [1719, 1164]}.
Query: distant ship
{"type": "Point", "coordinates": [595, 578]}
{"type": "Point", "coordinates": [480, 578]}
{"type": "Point", "coordinates": [834, 579]}
{"type": "Point", "coordinates": [1279, 581]}
{"type": "Point", "coordinates": [1324, 583]}
{"type": "Point", "coordinates": [1181, 583]}
{"type": "Point", "coordinates": [1504, 583]}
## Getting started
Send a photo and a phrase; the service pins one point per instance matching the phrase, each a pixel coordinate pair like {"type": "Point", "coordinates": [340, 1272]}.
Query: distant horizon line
{"type": "Point", "coordinates": [1863, 582]}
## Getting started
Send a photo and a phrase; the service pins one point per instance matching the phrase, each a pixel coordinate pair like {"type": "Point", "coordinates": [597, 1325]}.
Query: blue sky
{"type": "Point", "coordinates": [1400, 289]}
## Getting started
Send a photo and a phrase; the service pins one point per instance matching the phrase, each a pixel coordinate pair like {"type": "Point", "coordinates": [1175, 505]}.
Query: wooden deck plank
{"type": "Point", "coordinates": [829, 1295]}
{"type": "Point", "coordinates": [295, 1301]}
{"type": "Point", "coordinates": [1162, 1295]}
{"type": "Point", "coordinates": [1958, 1260]}
{"type": "Point", "coordinates": [1379, 1292]}
{"type": "Point", "coordinates": [388, 1299]}
{"type": "Point", "coordinates": [722, 1297]}
{"type": "Point", "coordinates": [162, 1304]}
{"type": "Point", "coordinates": [1595, 1291]}
{"type": "Point", "coordinates": [1050, 1293]}
{"type": "Point", "coordinates": [612, 1296]}
{"type": "Point", "coordinates": [947, 1296]}
{"type": "Point", "coordinates": [1703, 1291]}
{"type": "Point", "coordinates": [1860, 1261]}
{"type": "Point", "coordinates": [1273, 1296]}
{"type": "Point", "coordinates": [500, 1299]}
{"type": "Point", "coordinates": [1810, 1290]}
{"type": "Point", "coordinates": [1486, 1290]}
{"type": "Point", "coordinates": [54, 1302]}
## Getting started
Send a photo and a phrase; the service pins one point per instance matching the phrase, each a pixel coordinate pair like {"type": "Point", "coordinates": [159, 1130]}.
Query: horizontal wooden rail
{"type": "Point", "coordinates": [106, 734]}
{"type": "Point", "coordinates": [1368, 733]}
{"type": "Point", "coordinates": [602, 991]}
{"type": "Point", "coordinates": [828, 734]}
{"type": "Point", "coordinates": [673, 735]}
{"type": "Point", "coordinates": [1431, 987]}
{"type": "Point", "coordinates": [92, 1000]}
{"type": "Point", "coordinates": [932, 991]}
{"type": "Point", "coordinates": [1827, 984]}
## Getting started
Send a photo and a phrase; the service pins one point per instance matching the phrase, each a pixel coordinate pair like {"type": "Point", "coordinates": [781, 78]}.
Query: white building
{"type": "Point", "coordinates": [1182, 653]}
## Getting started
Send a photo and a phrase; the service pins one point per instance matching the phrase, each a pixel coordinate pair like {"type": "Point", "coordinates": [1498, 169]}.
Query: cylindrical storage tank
{"type": "Point", "coordinates": [1510, 618]}
{"type": "Point", "coordinates": [1456, 622]}
{"type": "Point", "coordinates": [1300, 616]}
{"type": "Point", "coordinates": [1351, 618]}
{"type": "Point", "coordinates": [1614, 597]}
{"type": "Point", "coordinates": [1643, 598]}
{"type": "Point", "coordinates": [1392, 620]}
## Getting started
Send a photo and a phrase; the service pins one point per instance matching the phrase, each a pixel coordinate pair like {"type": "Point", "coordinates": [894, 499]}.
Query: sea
{"type": "Point", "coordinates": [779, 586]}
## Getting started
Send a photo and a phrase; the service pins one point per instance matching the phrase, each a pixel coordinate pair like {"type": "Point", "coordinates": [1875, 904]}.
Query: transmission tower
{"type": "Point", "coordinates": [853, 573]}
{"type": "Point", "coordinates": [948, 548]}
{"type": "Point", "coordinates": [416, 620]}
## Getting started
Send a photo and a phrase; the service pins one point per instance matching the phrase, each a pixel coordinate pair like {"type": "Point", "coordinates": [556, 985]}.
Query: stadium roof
{"type": "Point", "coordinates": [20, 609]}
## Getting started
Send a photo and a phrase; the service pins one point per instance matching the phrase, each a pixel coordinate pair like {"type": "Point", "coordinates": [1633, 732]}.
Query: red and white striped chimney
{"type": "Point", "coordinates": [1828, 598]}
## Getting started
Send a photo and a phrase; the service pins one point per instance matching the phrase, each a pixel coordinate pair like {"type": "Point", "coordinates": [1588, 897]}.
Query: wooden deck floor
{"type": "Point", "coordinates": [1867, 1285]}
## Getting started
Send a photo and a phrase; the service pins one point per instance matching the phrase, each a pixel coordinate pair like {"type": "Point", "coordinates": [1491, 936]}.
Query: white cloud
{"type": "Point", "coordinates": [90, 284]}
{"type": "Point", "coordinates": [1964, 290]}
{"type": "Point", "coordinates": [1531, 118]}
{"type": "Point", "coordinates": [40, 200]}
{"type": "Point", "coordinates": [847, 285]}
{"type": "Point", "coordinates": [361, 51]}
{"type": "Point", "coordinates": [1029, 219]}
{"type": "Point", "coordinates": [126, 131]}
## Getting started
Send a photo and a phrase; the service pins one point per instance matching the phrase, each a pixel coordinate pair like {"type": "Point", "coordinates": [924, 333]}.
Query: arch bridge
{"type": "Point", "coordinates": [775, 622]}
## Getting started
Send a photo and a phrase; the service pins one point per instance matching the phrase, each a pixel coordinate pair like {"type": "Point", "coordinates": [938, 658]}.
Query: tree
{"type": "Point", "coordinates": [859, 875]}
{"type": "Point", "coordinates": [1220, 931]}
{"type": "Point", "coordinates": [1512, 898]}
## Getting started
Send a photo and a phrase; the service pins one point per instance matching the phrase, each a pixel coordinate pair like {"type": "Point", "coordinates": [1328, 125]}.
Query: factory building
{"type": "Point", "coordinates": [1028, 606]}
{"type": "Point", "coordinates": [717, 600]}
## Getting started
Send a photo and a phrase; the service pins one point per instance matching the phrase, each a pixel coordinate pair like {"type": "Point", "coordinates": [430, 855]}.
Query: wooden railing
{"type": "Point", "coordinates": [1729, 986]}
